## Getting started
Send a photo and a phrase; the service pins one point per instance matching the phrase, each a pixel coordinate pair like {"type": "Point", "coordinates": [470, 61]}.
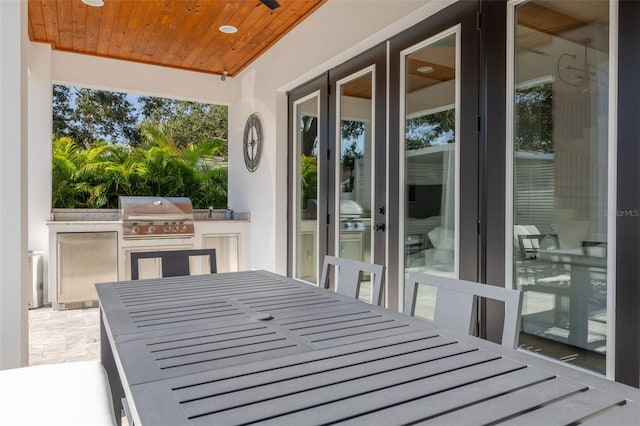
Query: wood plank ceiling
{"type": "Point", "coordinates": [180, 34]}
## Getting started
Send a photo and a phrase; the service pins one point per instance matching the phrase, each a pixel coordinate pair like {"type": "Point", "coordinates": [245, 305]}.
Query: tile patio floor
{"type": "Point", "coordinates": [63, 336]}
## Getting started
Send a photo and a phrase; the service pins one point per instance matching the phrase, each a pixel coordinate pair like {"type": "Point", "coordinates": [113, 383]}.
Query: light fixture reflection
{"type": "Point", "coordinates": [425, 69]}
{"type": "Point", "coordinates": [578, 72]}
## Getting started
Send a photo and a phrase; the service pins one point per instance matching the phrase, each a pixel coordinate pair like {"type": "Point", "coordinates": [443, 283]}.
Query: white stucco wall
{"type": "Point", "coordinates": [14, 349]}
{"type": "Point", "coordinates": [39, 150]}
{"type": "Point", "coordinates": [142, 79]}
{"type": "Point", "coordinates": [325, 39]}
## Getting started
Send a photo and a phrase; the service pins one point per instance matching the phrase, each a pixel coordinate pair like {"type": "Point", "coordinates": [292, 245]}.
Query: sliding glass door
{"type": "Point", "coordinates": [354, 189]}
{"type": "Point", "coordinates": [431, 159]}
{"type": "Point", "coordinates": [307, 180]}
{"type": "Point", "coordinates": [438, 149]}
{"type": "Point", "coordinates": [358, 126]}
{"type": "Point", "coordinates": [509, 159]}
{"type": "Point", "coordinates": [338, 172]}
{"type": "Point", "coordinates": [560, 177]}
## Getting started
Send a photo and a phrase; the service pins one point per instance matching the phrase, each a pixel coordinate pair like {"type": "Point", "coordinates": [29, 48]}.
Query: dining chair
{"type": "Point", "coordinates": [455, 305]}
{"type": "Point", "coordinates": [530, 244]}
{"type": "Point", "coordinates": [174, 263]}
{"type": "Point", "coordinates": [70, 393]}
{"type": "Point", "coordinates": [349, 277]}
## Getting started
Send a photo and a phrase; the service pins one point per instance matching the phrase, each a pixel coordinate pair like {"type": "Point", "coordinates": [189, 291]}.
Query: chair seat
{"type": "Point", "coordinates": [562, 278]}
{"type": "Point", "coordinates": [70, 394]}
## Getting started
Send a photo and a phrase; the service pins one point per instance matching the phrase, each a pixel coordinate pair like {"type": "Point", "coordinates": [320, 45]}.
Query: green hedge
{"type": "Point", "coordinates": [97, 176]}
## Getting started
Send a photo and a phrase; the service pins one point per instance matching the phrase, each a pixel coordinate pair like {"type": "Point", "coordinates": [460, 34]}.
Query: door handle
{"type": "Point", "coordinates": [380, 227]}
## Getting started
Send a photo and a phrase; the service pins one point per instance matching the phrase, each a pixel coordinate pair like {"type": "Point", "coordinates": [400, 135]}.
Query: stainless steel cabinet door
{"type": "Point", "coordinates": [84, 259]}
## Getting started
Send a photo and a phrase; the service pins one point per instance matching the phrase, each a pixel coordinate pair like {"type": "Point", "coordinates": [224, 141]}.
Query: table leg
{"type": "Point", "coordinates": [109, 363]}
{"type": "Point", "coordinates": [581, 292]}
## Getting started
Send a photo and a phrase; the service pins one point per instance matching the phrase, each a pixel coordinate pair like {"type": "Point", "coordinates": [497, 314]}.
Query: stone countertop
{"type": "Point", "coordinates": [105, 216]}
{"type": "Point", "coordinates": [117, 223]}
{"type": "Point", "coordinates": [216, 214]}
{"type": "Point", "coordinates": [85, 215]}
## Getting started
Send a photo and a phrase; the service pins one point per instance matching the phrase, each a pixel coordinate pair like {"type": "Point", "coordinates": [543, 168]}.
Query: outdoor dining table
{"type": "Point", "coordinates": [257, 347]}
{"type": "Point", "coordinates": [580, 288]}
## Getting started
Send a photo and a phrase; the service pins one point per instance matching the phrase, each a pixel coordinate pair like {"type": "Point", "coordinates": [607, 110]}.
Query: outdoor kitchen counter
{"type": "Point", "coordinates": [208, 233]}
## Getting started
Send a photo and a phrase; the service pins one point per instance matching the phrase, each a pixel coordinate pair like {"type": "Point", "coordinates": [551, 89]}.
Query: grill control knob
{"type": "Point", "coordinates": [167, 229]}
{"type": "Point", "coordinates": [151, 229]}
{"type": "Point", "coordinates": [135, 230]}
{"type": "Point", "coordinates": [182, 228]}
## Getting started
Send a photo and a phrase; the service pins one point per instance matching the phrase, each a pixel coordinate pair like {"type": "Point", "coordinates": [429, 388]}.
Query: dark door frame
{"type": "Point", "coordinates": [377, 56]}
{"type": "Point", "coordinates": [319, 84]}
{"type": "Point", "coordinates": [627, 314]}
{"type": "Point", "coordinates": [492, 159]}
{"type": "Point", "coordinates": [464, 13]}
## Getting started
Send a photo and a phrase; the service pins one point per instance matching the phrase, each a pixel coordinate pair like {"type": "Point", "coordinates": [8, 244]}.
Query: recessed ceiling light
{"type": "Point", "coordinates": [426, 69]}
{"type": "Point", "coordinates": [94, 3]}
{"type": "Point", "coordinates": [228, 29]}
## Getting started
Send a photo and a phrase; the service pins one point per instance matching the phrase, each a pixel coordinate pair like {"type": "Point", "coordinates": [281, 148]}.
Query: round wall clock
{"type": "Point", "coordinates": [252, 142]}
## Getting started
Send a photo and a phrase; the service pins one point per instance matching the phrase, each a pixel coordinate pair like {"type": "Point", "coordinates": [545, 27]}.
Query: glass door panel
{"type": "Point", "coordinates": [306, 237]}
{"type": "Point", "coordinates": [431, 164]}
{"type": "Point", "coordinates": [355, 170]}
{"type": "Point", "coordinates": [560, 177]}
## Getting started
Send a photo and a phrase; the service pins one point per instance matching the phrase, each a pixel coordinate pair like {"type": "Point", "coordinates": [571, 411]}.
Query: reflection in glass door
{"type": "Point", "coordinates": [431, 160]}
{"type": "Point", "coordinates": [560, 177]}
{"type": "Point", "coordinates": [305, 169]}
{"type": "Point", "coordinates": [355, 169]}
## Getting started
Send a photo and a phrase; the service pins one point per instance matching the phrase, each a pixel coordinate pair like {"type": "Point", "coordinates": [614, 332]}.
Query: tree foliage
{"type": "Point", "coordinates": [309, 135]}
{"type": "Point", "coordinates": [534, 119]}
{"type": "Point", "coordinates": [61, 104]}
{"type": "Point", "coordinates": [351, 129]}
{"type": "Point", "coordinates": [88, 116]}
{"type": "Point", "coordinates": [184, 122]}
{"type": "Point", "coordinates": [351, 152]}
{"type": "Point", "coordinates": [309, 177]}
{"type": "Point", "coordinates": [432, 129]}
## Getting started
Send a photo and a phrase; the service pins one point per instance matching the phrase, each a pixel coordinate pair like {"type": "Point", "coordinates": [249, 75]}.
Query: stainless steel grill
{"type": "Point", "coordinates": [156, 217]}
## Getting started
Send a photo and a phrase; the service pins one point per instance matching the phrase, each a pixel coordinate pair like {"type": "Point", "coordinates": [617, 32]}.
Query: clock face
{"type": "Point", "coordinates": [252, 142]}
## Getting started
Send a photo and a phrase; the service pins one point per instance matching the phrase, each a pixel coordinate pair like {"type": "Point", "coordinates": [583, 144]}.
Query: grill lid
{"type": "Point", "coordinates": [156, 216]}
{"type": "Point", "coordinates": [349, 208]}
{"type": "Point", "coordinates": [155, 208]}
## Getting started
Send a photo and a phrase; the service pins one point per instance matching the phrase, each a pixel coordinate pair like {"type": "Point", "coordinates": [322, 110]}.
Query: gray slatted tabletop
{"type": "Point", "coordinates": [255, 347]}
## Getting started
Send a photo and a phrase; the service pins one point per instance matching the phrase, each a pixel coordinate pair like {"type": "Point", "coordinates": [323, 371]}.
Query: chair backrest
{"type": "Point", "coordinates": [530, 244]}
{"type": "Point", "coordinates": [456, 302]}
{"type": "Point", "coordinates": [175, 263]}
{"type": "Point", "coordinates": [350, 277]}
